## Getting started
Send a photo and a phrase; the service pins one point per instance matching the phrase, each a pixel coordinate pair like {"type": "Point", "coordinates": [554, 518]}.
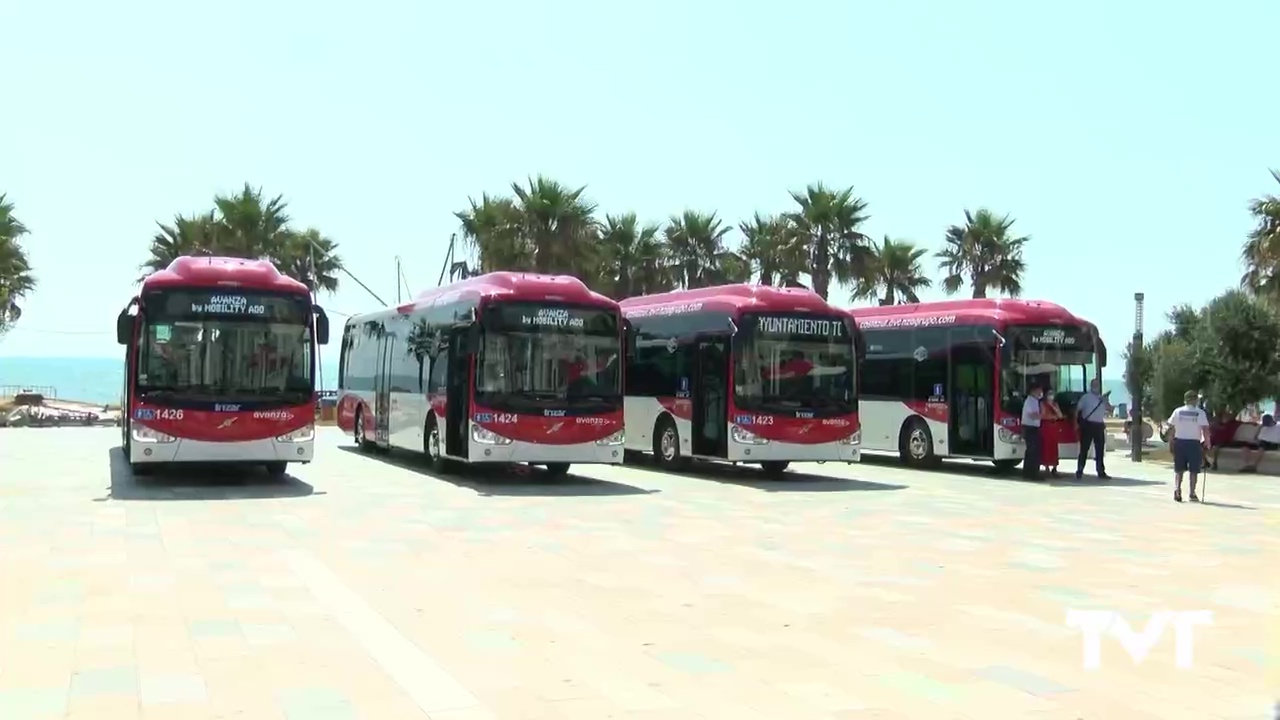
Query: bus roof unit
{"type": "Point", "coordinates": [513, 287]}
{"type": "Point", "coordinates": [206, 271]}
{"type": "Point", "coordinates": [732, 298]}
{"type": "Point", "coordinates": [959, 312]}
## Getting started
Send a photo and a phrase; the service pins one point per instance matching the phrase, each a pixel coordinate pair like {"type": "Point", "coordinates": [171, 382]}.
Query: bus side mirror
{"type": "Point", "coordinates": [322, 325]}
{"type": "Point", "coordinates": [124, 327]}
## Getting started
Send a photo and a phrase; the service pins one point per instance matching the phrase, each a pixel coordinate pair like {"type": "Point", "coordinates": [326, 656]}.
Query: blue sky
{"type": "Point", "coordinates": [1126, 138]}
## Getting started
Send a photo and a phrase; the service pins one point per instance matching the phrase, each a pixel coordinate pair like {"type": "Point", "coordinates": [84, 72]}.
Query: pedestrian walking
{"type": "Point", "coordinates": [1091, 416]}
{"type": "Point", "coordinates": [1188, 439]}
{"type": "Point", "coordinates": [1031, 434]}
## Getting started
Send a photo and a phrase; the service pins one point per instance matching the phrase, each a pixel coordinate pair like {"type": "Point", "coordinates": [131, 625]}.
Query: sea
{"type": "Point", "coordinates": [100, 380]}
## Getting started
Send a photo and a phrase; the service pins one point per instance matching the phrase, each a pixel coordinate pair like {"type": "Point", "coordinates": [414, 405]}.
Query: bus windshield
{"type": "Point", "coordinates": [786, 363]}
{"type": "Point", "coordinates": [536, 357]}
{"type": "Point", "coordinates": [1061, 360]}
{"type": "Point", "coordinates": [219, 346]}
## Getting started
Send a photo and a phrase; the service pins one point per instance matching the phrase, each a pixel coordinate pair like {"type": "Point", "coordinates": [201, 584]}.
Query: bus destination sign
{"type": "Point", "coordinates": [552, 317]}
{"type": "Point", "coordinates": [226, 305]}
{"type": "Point", "coordinates": [1054, 338]}
{"type": "Point", "coordinates": [816, 327]}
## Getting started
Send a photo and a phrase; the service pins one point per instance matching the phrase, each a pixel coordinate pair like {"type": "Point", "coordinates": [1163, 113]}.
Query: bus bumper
{"type": "Point", "coordinates": [536, 454]}
{"type": "Point", "coordinates": [795, 452]}
{"type": "Point", "coordinates": [198, 451]}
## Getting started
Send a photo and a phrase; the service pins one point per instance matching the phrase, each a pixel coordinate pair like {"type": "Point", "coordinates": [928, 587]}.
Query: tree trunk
{"type": "Point", "coordinates": [821, 267]}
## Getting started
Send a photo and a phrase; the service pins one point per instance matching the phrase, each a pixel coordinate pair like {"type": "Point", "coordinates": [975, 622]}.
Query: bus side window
{"type": "Point", "coordinates": [439, 372]}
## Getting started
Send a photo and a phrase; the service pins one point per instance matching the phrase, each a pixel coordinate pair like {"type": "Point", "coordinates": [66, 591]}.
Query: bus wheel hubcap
{"type": "Point", "coordinates": [359, 428]}
{"type": "Point", "coordinates": [435, 443]}
{"type": "Point", "coordinates": [916, 444]}
{"type": "Point", "coordinates": [669, 445]}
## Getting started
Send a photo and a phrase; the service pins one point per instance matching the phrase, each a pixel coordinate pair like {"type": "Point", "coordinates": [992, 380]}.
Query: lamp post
{"type": "Point", "coordinates": [1135, 386]}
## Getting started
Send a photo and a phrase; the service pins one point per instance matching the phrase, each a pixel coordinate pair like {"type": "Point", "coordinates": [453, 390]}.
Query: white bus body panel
{"type": "Point", "coordinates": [199, 451]}
{"type": "Point", "coordinates": [641, 414]}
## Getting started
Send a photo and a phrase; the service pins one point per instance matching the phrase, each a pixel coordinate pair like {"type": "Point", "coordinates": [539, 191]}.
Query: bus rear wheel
{"type": "Point", "coordinates": [915, 446]}
{"type": "Point", "coordinates": [277, 469]}
{"type": "Point", "coordinates": [557, 470]}
{"type": "Point", "coordinates": [775, 468]}
{"type": "Point", "coordinates": [666, 444]}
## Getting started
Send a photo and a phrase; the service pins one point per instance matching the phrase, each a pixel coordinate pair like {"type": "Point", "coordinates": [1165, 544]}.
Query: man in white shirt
{"type": "Point", "coordinates": [1188, 439]}
{"type": "Point", "coordinates": [1091, 417]}
{"type": "Point", "coordinates": [1031, 433]}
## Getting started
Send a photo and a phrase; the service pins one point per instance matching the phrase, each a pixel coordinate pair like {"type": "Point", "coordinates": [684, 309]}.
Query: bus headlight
{"type": "Point", "coordinates": [144, 434]}
{"type": "Point", "coordinates": [854, 439]}
{"type": "Point", "coordinates": [746, 437]}
{"type": "Point", "coordinates": [302, 434]}
{"type": "Point", "coordinates": [1008, 436]}
{"type": "Point", "coordinates": [615, 439]}
{"type": "Point", "coordinates": [488, 437]}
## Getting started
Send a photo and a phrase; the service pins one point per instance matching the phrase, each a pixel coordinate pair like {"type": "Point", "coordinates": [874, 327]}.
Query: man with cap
{"type": "Point", "coordinates": [1188, 438]}
{"type": "Point", "coordinates": [1091, 414]}
{"type": "Point", "coordinates": [1031, 433]}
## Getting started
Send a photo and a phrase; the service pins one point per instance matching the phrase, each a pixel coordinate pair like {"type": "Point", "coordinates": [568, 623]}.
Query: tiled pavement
{"type": "Point", "coordinates": [367, 590]}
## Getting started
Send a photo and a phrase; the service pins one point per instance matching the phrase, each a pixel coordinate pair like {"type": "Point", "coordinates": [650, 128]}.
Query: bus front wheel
{"type": "Point", "coordinates": [916, 444]}
{"type": "Point", "coordinates": [557, 470]}
{"type": "Point", "coordinates": [361, 442]}
{"type": "Point", "coordinates": [666, 444]}
{"type": "Point", "coordinates": [1006, 465]}
{"type": "Point", "coordinates": [277, 469]}
{"type": "Point", "coordinates": [435, 457]}
{"type": "Point", "coordinates": [774, 468]}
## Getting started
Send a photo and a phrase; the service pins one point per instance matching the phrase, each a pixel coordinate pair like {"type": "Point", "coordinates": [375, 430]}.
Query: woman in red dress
{"type": "Point", "coordinates": [1051, 418]}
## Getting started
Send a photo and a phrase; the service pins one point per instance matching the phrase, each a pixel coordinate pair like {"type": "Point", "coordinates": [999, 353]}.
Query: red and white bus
{"type": "Point", "coordinates": [948, 379]}
{"type": "Point", "coordinates": [220, 366]}
{"type": "Point", "coordinates": [504, 367]}
{"type": "Point", "coordinates": [741, 373]}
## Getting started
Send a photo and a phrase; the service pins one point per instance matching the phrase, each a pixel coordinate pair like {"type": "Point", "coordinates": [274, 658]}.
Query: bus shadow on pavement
{"type": "Point", "coordinates": [200, 483]}
{"type": "Point", "coordinates": [753, 477]}
{"type": "Point", "coordinates": [987, 470]}
{"type": "Point", "coordinates": [506, 481]}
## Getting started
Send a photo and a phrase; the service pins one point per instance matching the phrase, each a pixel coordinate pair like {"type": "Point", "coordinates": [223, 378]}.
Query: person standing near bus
{"type": "Point", "coordinates": [1050, 433]}
{"type": "Point", "coordinates": [1187, 442]}
{"type": "Point", "coordinates": [1091, 414]}
{"type": "Point", "coordinates": [1031, 433]}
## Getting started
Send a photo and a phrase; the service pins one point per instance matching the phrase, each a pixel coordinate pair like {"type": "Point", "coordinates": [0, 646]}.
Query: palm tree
{"type": "Point", "coordinates": [984, 253]}
{"type": "Point", "coordinates": [634, 259]}
{"type": "Point", "coordinates": [247, 226]}
{"type": "Point", "coordinates": [194, 235]}
{"type": "Point", "coordinates": [492, 227]}
{"type": "Point", "coordinates": [1261, 252]}
{"type": "Point", "coordinates": [776, 254]}
{"type": "Point", "coordinates": [16, 279]}
{"type": "Point", "coordinates": [827, 223]}
{"type": "Point", "coordinates": [560, 225]}
{"type": "Point", "coordinates": [695, 243]}
{"type": "Point", "coordinates": [310, 258]}
{"type": "Point", "coordinates": [896, 270]}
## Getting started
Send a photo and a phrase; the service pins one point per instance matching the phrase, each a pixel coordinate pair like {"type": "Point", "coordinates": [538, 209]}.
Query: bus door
{"type": "Point", "coordinates": [382, 390]}
{"type": "Point", "coordinates": [710, 393]}
{"type": "Point", "coordinates": [457, 397]}
{"type": "Point", "coordinates": [971, 393]}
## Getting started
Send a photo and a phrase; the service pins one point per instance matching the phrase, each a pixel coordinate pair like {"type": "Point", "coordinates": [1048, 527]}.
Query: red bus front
{"type": "Point", "coordinates": [531, 382]}
{"type": "Point", "coordinates": [220, 375]}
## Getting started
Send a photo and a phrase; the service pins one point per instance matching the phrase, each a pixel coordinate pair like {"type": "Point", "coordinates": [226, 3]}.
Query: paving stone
{"type": "Point", "coordinates": [621, 592]}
